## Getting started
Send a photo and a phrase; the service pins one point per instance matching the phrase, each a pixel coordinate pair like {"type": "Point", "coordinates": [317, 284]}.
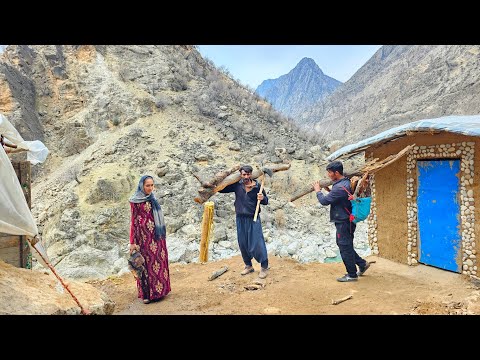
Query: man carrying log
{"type": "Point", "coordinates": [340, 210]}
{"type": "Point", "coordinates": [228, 177]}
{"type": "Point", "coordinates": [249, 232]}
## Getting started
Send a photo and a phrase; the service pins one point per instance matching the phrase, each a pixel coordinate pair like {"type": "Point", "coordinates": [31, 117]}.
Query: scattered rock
{"type": "Point", "coordinates": [272, 311]}
{"type": "Point", "coordinates": [201, 157]}
{"type": "Point", "coordinates": [223, 115]}
{"type": "Point", "coordinates": [234, 147]}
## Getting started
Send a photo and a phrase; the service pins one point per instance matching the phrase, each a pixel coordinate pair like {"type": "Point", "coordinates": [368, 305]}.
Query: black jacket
{"type": "Point", "coordinates": [246, 203]}
{"type": "Point", "coordinates": [337, 198]}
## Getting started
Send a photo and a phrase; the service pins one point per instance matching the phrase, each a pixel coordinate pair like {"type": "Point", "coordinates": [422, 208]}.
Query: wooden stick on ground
{"type": "Point", "coordinates": [339, 301]}
{"type": "Point", "coordinates": [217, 273]}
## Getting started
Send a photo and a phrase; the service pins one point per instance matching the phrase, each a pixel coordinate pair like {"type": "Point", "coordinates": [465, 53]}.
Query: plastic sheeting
{"type": "Point", "coordinates": [15, 216]}
{"type": "Point", "coordinates": [465, 125]}
{"type": "Point", "coordinates": [36, 151]}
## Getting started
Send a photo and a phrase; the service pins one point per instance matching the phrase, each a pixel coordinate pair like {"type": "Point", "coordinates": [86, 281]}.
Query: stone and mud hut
{"type": "Point", "coordinates": [424, 204]}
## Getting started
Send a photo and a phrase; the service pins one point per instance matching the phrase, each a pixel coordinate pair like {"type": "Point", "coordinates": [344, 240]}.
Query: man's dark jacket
{"type": "Point", "coordinates": [337, 198]}
{"type": "Point", "coordinates": [246, 202]}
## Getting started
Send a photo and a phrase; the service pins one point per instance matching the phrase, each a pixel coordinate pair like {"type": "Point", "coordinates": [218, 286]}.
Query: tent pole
{"type": "Point", "coordinates": [83, 310]}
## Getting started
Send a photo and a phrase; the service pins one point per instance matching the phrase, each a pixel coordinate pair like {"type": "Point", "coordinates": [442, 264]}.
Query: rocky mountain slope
{"type": "Point", "coordinates": [109, 114]}
{"type": "Point", "coordinates": [300, 89]}
{"type": "Point", "coordinates": [401, 84]}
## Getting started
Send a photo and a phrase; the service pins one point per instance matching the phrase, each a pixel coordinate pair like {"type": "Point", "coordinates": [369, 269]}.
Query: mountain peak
{"type": "Point", "coordinates": [298, 90]}
{"type": "Point", "coordinates": [308, 63]}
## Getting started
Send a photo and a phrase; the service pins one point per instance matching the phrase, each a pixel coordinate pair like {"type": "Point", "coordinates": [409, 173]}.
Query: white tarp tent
{"type": "Point", "coordinates": [36, 151]}
{"type": "Point", "coordinates": [15, 215]}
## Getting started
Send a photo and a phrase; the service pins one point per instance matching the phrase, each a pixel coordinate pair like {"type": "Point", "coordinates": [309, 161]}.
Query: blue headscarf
{"type": "Point", "coordinates": [140, 197]}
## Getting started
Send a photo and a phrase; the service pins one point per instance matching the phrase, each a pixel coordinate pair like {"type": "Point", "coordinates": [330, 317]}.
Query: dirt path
{"type": "Point", "coordinates": [294, 288]}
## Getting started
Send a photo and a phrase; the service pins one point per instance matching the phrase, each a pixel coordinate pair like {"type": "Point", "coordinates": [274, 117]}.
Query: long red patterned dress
{"type": "Point", "coordinates": [142, 233]}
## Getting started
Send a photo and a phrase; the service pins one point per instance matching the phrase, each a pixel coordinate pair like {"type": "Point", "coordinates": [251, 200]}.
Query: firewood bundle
{"type": "Point", "coordinates": [363, 171]}
{"type": "Point", "coordinates": [228, 177]}
{"type": "Point", "coordinates": [210, 187]}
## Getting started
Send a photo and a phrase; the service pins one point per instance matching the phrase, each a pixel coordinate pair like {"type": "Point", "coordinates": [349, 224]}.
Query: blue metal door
{"type": "Point", "coordinates": [439, 213]}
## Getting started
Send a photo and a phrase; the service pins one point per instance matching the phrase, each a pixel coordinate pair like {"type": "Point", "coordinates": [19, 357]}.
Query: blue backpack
{"type": "Point", "coordinates": [360, 207]}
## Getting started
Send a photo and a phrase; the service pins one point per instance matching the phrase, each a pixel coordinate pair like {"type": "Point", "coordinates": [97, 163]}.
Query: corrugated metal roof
{"type": "Point", "coordinates": [465, 125]}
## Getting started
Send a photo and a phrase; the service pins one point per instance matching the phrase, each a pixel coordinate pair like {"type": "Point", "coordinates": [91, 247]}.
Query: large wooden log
{"type": "Point", "coordinates": [371, 167]}
{"type": "Point", "coordinates": [205, 193]}
{"type": "Point", "coordinates": [325, 182]}
{"type": "Point", "coordinates": [217, 178]}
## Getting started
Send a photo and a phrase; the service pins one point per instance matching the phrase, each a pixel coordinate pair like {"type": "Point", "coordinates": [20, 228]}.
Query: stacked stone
{"type": "Point", "coordinates": [412, 205]}
{"type": "Point", "coordinates": [372, 219]}
{"type": "Point", "coordinates": [467, 209]}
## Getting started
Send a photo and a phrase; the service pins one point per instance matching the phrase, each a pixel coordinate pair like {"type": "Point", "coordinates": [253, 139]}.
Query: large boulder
{"type": "Point", "coordinates": [32, 292]}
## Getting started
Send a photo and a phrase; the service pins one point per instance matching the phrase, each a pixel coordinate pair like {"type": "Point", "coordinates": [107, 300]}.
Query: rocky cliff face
{"type": "Point", "coordinates": [300, 89]}
{"type": "Point", "coordinates": [110, 114]}
{"type": "Point", "coordinates": [401, 84]}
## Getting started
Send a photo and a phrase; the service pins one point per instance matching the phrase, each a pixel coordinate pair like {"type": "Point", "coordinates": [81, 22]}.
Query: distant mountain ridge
{"type": "Point", "coordinates": [300, 89]}
{"type": "Point", "coordinates": [398, 85]}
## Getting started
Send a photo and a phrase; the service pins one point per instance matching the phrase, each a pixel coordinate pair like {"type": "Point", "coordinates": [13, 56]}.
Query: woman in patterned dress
{"type": "Point", "coordinates": [148, 235]}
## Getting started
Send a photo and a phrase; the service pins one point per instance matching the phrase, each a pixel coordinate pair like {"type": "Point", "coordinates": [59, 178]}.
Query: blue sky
{"type": "Point", "coordinates": [252, 64]}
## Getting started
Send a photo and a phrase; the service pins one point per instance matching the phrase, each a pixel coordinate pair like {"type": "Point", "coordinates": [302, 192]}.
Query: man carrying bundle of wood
{"type": "Point", "coordinates": [249, 232]}
{"type": "Point", "coordinates": [340, 210]}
